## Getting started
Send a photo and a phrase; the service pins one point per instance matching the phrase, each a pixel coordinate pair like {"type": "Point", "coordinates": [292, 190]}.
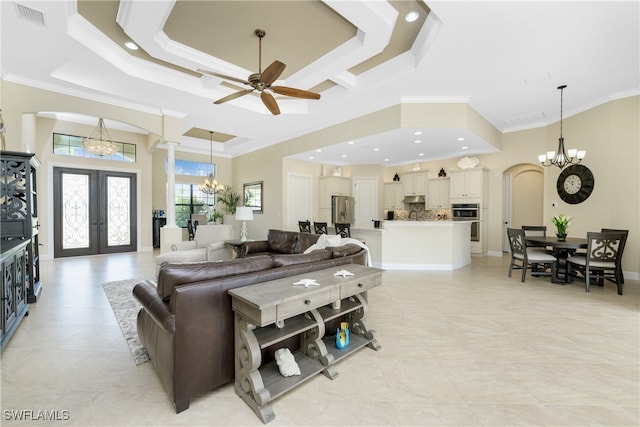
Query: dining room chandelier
{"type": "Point", "coordinates": [561, 157]}
{"type": "Point", "coordinates": [100, 142]}
{"type": "Point", "coordinates": [210, 184]}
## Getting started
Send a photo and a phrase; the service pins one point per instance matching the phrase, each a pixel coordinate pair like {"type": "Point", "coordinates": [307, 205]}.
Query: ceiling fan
{"type": "Point", "coordinates": [261, 81]}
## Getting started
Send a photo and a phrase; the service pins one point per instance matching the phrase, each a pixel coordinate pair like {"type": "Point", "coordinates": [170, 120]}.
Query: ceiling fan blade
{"type": "Point", "coordinates": [272, 72]}
{"type": "Point", "coordinates": [297, 93]}
{"type": "Point", "coordinates": [222, 76]}
{"type": "Point", "coordinates": [270, 102]}
{"type": "Point", "coordinates": [233, 96]}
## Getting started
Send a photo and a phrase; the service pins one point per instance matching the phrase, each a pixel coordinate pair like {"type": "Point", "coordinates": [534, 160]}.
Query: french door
{"type": "Point", "coordinates": [94, 212]}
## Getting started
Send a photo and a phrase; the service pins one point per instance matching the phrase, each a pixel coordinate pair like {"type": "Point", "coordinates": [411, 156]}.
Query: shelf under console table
{"type": "Point", "coordinates": [271, 312]}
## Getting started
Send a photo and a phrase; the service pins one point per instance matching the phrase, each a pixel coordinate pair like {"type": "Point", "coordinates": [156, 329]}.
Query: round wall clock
{"type": "Point", "coordinates": [575, 184]}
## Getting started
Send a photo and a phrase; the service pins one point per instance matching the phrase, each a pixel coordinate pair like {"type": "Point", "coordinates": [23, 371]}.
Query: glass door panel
{"type": "Point", "coordinates": [75, 211]}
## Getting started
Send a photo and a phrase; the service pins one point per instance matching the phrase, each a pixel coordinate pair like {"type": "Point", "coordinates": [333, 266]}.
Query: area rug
{"type": "Point", "coordinates": [126, 307]}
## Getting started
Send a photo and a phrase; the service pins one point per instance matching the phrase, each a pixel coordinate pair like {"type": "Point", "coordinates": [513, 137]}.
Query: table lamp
{"type": "Point", "coordinates": [244, 214]}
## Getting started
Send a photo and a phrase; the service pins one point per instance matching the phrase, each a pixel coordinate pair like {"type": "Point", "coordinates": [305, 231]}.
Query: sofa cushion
{"type": "Point", "coordinates": [303, 241]}
{"type": "Point", "coordinates": [172, 275]}
{"type": "Point", "coordinates": [281, 241]}
{"type": "Point", "coordinates": [345, 250]}
{"type": "Point", "coordinates": [281, 260]}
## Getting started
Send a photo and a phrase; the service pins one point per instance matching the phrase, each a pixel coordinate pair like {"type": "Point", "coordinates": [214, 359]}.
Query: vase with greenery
{"type": "Point", "coordinates": [216, 218]}
{"type": "Point", "coordinates": [561, 222]}
{"type": "Point", "coordinates": [229, 199]}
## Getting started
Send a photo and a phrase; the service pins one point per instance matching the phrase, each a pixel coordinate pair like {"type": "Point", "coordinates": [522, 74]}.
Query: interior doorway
{"type": "Point", "coordinates": [299, 199]}
{"type": "Point", "coordinates": [523, 198]}
{"type": "Point", "coordinates": [94, 212]}
{"type": "Point", "coordinates": [365, 192]}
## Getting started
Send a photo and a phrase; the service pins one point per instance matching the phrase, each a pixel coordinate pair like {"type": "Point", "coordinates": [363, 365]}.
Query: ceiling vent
{"type": "Point", "coordinates": [31, 15]}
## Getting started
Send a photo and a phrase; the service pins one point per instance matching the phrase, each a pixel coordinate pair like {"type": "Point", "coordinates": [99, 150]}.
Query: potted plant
{"type": "Point", "coordinates": [216, 218]}
{"type": "Point", "coordinates": [561, 222]}
{"type": "Point", "coordinates": [229, 199]}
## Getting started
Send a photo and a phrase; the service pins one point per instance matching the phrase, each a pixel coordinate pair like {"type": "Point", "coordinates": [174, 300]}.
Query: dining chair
{"type": "Point", "coordinates": [305, 226]}
{"type": "Point", "coordinates": [198, 219]}
{"type": "Point", "coordinates": [191, 229]}
{"type": "Point", "coordinates": [601, 261]}
{"type": "Point", "coordinates": [320, 227]}
{"type": "Point", "coordinates": [625, 234]}
{"type": "Point", "coordinates": [343, 229]}
{"type": "Point", "coordinates": [523, 257]}
{"type": "Point", "coordinates": [536, 231]}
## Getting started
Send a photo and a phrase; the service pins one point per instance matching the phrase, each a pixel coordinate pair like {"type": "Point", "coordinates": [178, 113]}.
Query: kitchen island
{"type": "Point", "coordinates": [419, 245]}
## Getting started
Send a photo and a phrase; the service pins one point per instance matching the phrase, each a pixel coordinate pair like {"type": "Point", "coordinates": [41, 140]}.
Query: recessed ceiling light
{"type": "Point", "coordinates": [351, 142]}
{"type": "Point", "coordinates": [464, 148]}
{"type": "Point", "coordinates": [417, 141]}
{"type": "Point", "coordinates": [343, 156]}
{"type": "Point", "coordinates": [461, 139]}
{"type": "Point", "coordinates": [131, 45]}
{"type": "Point", "coordinates": [386, 160]}
{"type": "Point", "coordinates": [318, 150]}
{"type": "Point", "coordinates": [311, 157]}
{"type": "Point", "coordinates": [376, 149]}
{"type": "Point", "coordinates": [417, 132]}
{"type": "Point", "coordinates": [412, 16]}
{"type": "Point", "coordinates": [421, 154]}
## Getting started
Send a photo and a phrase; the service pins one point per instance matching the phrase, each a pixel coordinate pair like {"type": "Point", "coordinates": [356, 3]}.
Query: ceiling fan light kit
{"type": "Point", "coordinates": [262, 81]}
{"type": "Point", "coordinates": [562, 157]}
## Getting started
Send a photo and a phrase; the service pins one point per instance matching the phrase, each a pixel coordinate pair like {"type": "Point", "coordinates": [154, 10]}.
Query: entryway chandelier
{"type": "Point", "coordinates": [100, 142]}
{"type": "Point", "coordinates": [210, 184]}
{"type": "Point", "coordinates": [561, 158]}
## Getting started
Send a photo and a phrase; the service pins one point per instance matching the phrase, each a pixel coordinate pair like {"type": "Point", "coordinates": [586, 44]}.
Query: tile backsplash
{"type": "Point", "coordinates": [423, 214]}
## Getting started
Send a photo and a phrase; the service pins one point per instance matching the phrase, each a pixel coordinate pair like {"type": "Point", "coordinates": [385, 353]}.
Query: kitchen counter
{"type": "Point", "coordinates": [418, 245]}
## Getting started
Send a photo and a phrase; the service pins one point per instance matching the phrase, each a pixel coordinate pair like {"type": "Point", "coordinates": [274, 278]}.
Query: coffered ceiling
{"type": "Point", "coordinates": [504, 59]}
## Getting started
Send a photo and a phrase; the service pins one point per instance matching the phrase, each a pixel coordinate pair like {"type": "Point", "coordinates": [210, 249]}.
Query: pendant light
{"type": "Point", "coordinates": [210, 184]}
{"type": "Point", "coordinates": [100, 142]}
{"type": "Point", "coordinates": [561, 158]}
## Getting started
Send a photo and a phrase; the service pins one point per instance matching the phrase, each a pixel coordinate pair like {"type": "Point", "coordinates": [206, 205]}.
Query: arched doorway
{"type": "Point", "coordinates": [523, 198]}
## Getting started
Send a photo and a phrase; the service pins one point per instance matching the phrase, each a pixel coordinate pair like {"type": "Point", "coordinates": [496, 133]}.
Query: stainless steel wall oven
{"type": "Point", "coordinates": [468, 212]}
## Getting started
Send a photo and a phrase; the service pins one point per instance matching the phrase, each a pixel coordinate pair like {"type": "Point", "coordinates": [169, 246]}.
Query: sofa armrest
{"type": "Point", "coordinates": [219, 251]}
{"type": "Point", "coordinates": [146, 294]}
{"type": "Point", "coordinates": [181, 246]}
{"type": "Point", "coordinates": [255, 247]}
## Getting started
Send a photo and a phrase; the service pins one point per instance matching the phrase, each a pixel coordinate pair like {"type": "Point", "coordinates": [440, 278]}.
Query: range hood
{"type": "Point", "coordinates": [413, 199]}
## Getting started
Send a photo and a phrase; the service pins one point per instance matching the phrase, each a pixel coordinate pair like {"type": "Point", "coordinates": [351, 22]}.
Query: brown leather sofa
{"type": "Point", "coordinates": [186, 319]}
{"type": "Point", "coordinates": [279, 242]}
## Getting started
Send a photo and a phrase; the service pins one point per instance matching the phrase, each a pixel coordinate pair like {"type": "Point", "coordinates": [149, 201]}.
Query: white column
{"type": "Point", "coordinates": [28, 133]}
{"type": "Point", "coordinates": [171, 184]}
{"type": "Point", "coordinates": [170, 233]}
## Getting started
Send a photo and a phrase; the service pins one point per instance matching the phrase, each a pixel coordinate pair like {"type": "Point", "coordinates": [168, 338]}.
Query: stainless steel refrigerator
{"type": "Point", "coordinates": [342, 209]}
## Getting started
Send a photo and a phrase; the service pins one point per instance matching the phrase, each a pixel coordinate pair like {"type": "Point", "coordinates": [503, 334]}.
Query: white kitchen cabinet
{"type": "Point", "coordinates": [415, 183]}
{"type": "Point", "coordinates": [468, 184]}
{"type": "Point", "coordinates": [439, 193]}
{"type": "Point", "coordinates": [393, 196]}
{"type": "Point", "coordinates": [332, 186]}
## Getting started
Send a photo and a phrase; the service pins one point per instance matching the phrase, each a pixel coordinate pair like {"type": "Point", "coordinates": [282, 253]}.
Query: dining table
{"type": "Point", "coordinates": [562, 249]}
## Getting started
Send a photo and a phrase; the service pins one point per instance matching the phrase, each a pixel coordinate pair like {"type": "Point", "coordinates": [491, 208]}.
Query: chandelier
{"type": "Point", "coordinates": [561, 158]}
{"type": "Point", "coordinates": [100, 142]}
{"type": "Point", "coordinates": [210, 184]}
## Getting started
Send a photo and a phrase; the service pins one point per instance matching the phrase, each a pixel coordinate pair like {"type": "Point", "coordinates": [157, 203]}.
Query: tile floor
{"type": "Point", "coordinates": [465, 348]}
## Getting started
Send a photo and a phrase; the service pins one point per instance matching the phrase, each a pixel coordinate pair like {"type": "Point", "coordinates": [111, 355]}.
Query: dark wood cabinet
{"type": "Point", "coordinates": [19, 211]}
{"type": "Point", "coordinates": [157, 224]}
{"type": "Point", "coordinates": [14, 263]}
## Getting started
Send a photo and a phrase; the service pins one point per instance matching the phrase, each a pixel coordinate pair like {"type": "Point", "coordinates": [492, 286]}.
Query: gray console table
{"type": "Point", "coordinates": [270, 312]}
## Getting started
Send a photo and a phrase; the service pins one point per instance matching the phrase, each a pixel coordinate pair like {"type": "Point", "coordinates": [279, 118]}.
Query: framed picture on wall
{"type": "Point", "coordinates": [253, 196]}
